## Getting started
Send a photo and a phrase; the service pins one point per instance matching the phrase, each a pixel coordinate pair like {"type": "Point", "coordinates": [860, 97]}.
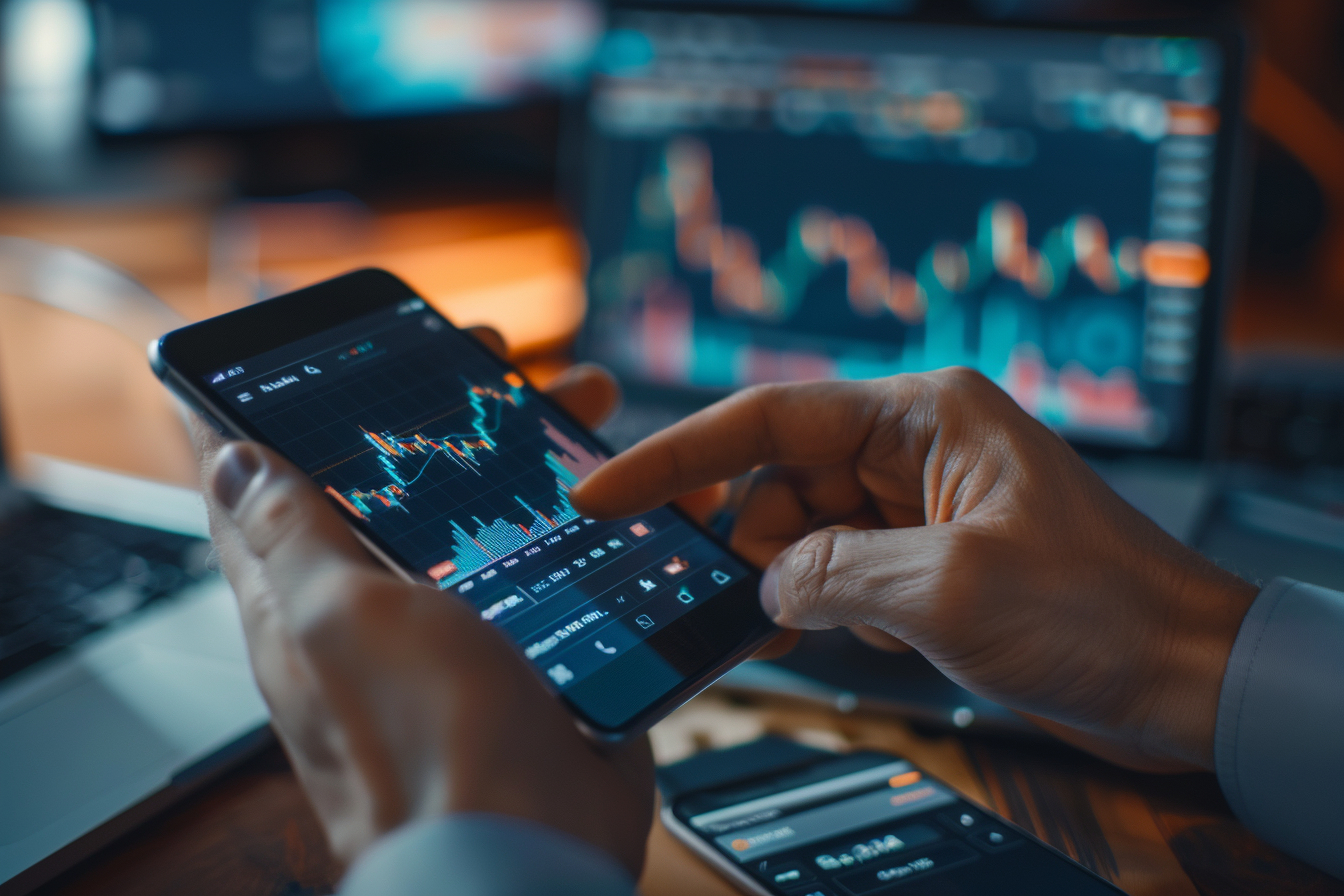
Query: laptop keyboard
{"type": "Point", "coordinates": [65, 575]}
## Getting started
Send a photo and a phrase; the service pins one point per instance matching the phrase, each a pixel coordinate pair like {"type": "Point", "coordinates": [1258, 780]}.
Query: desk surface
{"type": "Point", "coordinates": [253, 833]}
{"type": "Point", "coordinates": [65, 381]}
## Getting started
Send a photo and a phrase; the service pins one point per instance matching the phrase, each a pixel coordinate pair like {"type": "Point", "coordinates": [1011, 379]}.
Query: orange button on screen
{"type": "Point", "coordinates": [1172, 263]}
{"type": "Point", "coordinates": [905, 779]}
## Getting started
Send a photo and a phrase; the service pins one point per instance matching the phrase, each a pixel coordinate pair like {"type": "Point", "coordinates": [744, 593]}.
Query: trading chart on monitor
{"type": "Point", "coordinates": [462, 473]}
{"type": "Point", "coordinates": [778, 198]}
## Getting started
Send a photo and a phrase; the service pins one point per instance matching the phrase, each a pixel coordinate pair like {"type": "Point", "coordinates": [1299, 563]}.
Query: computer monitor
{"type": "Point", "coordinates": [169, 65]}
{"type": "Point", "coordinates": [781, 195]}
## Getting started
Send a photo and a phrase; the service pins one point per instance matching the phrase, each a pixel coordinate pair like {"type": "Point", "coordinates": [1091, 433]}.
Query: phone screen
{"type": "Point", "coordinates": [872, 823]}
{"type": "Point", "coordinates": [460, 472]}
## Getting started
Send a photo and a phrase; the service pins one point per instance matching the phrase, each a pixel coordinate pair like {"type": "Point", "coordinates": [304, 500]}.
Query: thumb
{"type": "Point", "coordinates": [278, 514]}
{"type": "Point", "coordinates": [841, 576]}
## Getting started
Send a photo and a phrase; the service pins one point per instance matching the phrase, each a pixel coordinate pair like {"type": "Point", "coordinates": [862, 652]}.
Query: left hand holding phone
{"type": "Point", "coordinates": [393, 703]}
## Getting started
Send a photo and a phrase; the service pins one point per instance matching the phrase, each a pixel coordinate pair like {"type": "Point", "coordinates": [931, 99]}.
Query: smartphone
{"type": "Point", "coordinates": [455, 472]}
{"type": "Point", "coordinates": [860, 823]}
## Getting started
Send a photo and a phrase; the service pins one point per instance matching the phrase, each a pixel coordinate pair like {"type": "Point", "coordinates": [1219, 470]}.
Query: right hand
{"type": "Point", "coordinates": [932, 508]}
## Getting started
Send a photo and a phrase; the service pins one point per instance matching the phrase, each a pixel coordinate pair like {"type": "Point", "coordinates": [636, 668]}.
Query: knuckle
{"type": "Point", "coordinates": [963, 384]}
{"type": "Point", "coordinates": [762, 395]}
{"type": "Point", "coordinates": [963, 398]}
{"type": "Point", "coordinates": [805, 577]}
{"type": "Point", "coordinates": [967, 378]}
{"type": "Point", "coordinates": [758, 392]}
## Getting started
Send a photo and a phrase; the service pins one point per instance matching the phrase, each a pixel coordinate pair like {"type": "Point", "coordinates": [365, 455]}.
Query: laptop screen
{"type": "Point", "coordinates": [776, 196]}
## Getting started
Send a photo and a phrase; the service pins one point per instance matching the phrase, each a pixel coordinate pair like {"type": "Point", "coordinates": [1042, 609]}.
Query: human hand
{"type": "Point", "coordinates": [393, 701]}
{"type": "Point", "coordinates": [930, 509]}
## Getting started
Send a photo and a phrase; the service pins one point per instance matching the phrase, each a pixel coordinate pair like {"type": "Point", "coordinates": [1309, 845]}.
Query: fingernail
{"type": "Point", "coordinates": [770, 590]}
{"type": "Point", "coordinates": [235, 469]}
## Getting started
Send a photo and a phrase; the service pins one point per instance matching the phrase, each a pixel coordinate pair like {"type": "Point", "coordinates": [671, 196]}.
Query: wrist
{"type": "Point", "coordinates": [1203, 610]}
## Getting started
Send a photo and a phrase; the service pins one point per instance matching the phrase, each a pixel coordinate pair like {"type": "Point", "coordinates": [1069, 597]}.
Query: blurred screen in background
{"type": "Point", "coordinates": [784, 198]}
{"type": "Point", "coordinates": [169, 65]}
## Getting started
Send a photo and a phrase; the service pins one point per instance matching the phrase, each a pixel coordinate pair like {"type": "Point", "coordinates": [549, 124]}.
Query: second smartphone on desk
{"type": "Point", "coordinates": [780, 819]}
{"type": "Point", "coordinates": [456, 473]}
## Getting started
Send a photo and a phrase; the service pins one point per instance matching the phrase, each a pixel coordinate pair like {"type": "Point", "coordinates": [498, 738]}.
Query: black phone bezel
{"type": "Point", "coordinates": [674, 807]}
{"type": "Point", "coordinates": [699, 645]}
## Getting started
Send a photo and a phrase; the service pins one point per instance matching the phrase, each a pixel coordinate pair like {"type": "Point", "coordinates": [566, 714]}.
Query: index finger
{"type": "Point", "coordinates": [807, 424]}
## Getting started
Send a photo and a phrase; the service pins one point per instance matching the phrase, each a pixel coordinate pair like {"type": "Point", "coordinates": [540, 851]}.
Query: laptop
{"type": "Point", "coordinates": [124, 680]}
{"type": "Point", "coordinates": [779, 193]}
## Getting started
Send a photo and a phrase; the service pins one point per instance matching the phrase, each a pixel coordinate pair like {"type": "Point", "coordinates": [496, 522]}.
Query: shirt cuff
{"type": "Point", "coordinates": [1279, 740]}
{"type": "Point", "coordinates": [484, 855]}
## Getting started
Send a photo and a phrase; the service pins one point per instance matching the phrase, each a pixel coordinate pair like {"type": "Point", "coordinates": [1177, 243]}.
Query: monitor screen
{"type": "Point", "coordinates": [787, 197]}
{"type": "Point", "coordinates": [169, 65]}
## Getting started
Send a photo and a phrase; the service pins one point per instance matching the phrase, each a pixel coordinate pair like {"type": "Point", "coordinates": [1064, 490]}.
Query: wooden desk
{"type": "Point", "coordinates": [253, 833]}
{"type": "Point", "coordinates": [73, 390]}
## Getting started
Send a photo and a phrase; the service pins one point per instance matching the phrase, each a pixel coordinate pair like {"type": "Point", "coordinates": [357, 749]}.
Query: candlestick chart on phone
{"type": "Point", "coordinates": [467, 485]}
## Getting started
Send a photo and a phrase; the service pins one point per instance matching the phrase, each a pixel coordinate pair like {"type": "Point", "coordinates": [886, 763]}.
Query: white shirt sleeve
{"type": "Point", "coordinates": [1279, 740]}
